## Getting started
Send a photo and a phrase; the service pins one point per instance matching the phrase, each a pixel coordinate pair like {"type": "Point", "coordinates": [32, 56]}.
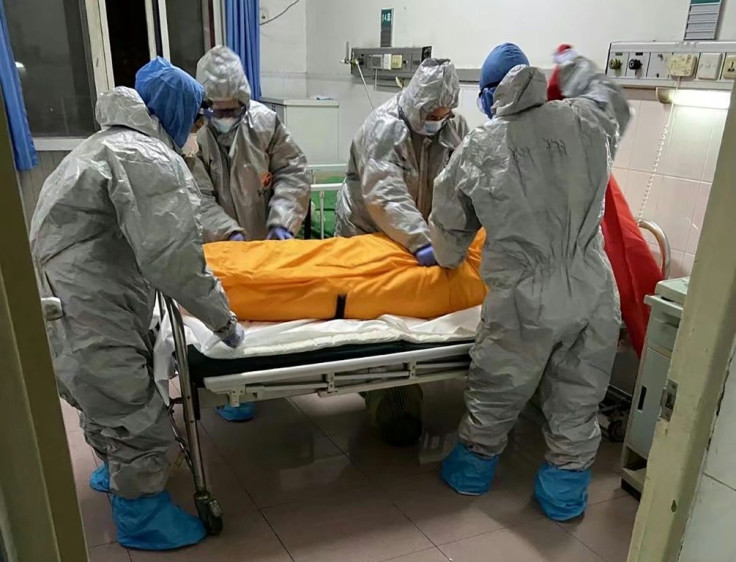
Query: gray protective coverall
{"type": "Point", "coordinates": [255, 177]}
{"type": "Point", "coordinates": [116, 220]}
{"type": "Point", "coordinates": [392, 166]}
{"type": "Point", "coordinates": [535, 177]}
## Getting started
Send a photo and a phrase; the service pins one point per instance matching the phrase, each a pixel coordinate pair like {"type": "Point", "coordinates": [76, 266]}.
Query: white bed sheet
{"type": "Point", "coordinates": [266, 338]}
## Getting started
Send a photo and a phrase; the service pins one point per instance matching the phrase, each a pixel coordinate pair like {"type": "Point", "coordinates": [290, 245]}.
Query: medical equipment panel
{"type": "Point", "coordinates": [687, 64]}
{"type": "Point", "coordinates": [387, 64]}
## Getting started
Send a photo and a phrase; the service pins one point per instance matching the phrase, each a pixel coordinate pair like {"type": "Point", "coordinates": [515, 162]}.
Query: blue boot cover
{"type": "Point", "coordinates": [154, 523]}
{"type": "Point", "coordinates": [562, 494]}
{"type": "Point", "coordinates": [99, 481]}
{"type": "Point", "coordinates": [241, 413]}
{"type": "Point", "coordinates": [468, 473]}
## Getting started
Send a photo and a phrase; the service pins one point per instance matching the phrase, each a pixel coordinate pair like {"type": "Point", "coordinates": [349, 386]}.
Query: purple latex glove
{"type": "Point", "coordinates": [425, 256]}
{"type": "Point", "coordinates": [236, 237]}
{"type": "Point", "coordinates": [236, 338]}
{"type": "Point", "coordinates": [279, 233]}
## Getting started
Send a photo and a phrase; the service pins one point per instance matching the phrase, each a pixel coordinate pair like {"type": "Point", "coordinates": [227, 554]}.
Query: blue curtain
{"type": "Point", "coordinates": [24, 152]}
{"type": "Point", "coordinates": [243, 36]}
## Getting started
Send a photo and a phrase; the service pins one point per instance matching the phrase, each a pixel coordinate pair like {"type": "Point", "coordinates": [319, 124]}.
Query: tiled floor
{"type": "Point", "coordinates": [309, 480]}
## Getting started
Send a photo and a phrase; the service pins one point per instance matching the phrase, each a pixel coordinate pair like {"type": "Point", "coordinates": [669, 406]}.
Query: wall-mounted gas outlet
{"type": "Point", "coordinates": [729, 67]}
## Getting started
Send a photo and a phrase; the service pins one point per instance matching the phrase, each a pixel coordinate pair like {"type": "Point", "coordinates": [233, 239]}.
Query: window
{"type": "Point", "coordinates": [49, 44]}
{"type": "Point", "coordinates": [55, 42]}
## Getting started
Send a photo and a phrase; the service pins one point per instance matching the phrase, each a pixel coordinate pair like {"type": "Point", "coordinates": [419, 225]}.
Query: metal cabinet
{"type": "Point", "coordinates": [666, 311]}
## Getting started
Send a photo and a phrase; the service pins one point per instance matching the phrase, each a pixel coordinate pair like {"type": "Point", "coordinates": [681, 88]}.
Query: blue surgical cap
{"type": "Point", "coordinates": [497, 65]}
{"type": "Point", "coordinates": [171, 95]}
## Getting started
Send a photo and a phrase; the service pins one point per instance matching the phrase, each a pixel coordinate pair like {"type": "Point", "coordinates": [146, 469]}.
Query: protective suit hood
{"type": "Point", "coordinates": [171, 95]}
{"type": "Point", "coordinates": [435, 84]}
{"type": "Point", "coordinates": [123, 107]}
{"type": "Point", "coordinates": [523, 87]}
{"type": "Point", "coordinates": [221, 73]}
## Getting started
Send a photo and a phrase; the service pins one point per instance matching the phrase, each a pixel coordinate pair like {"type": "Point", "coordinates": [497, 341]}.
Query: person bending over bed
{"type": "Point", "coordinates": [395, 156]}
{"type": "Point", "coordinates": [251, 174]}
{"type": "Point", "coordinates": [115, 222]}
{"type": "Point", "coordinates": [535, 175]}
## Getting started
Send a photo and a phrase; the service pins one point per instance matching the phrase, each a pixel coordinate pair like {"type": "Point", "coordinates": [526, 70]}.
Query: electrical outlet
{"type": "Point", "coordinates": [709, 67]}
{"type": "Point", "coordinates": [682, 66]}
{"type": "Point", "coordinates": [729, 67]}
{"type": "Point", "coordinates": [658, 66]}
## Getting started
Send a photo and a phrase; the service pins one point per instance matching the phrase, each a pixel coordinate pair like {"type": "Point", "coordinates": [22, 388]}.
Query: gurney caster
{"type": "Point", "coordinates": [210, 512]}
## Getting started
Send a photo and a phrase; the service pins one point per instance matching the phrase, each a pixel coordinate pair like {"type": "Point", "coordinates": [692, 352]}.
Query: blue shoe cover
{"type": "Point", "coordinates": [241, 413]}
{"type": "Point", "coordinates": [468, 473]}
{"type": "Point", "coordinates": [562, 494]}
{"type": "Point", "coordinates": [99, 481]}
{"type": "Point", "coordinates": [154, 523]}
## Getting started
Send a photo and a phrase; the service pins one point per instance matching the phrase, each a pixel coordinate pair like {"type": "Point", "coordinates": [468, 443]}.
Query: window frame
{"type": "Point", "coordinates": [101, 53]}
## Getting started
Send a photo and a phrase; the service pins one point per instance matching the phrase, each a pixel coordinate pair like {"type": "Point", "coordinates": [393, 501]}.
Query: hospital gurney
{"type": "Point", "coordinates": [327, 371]}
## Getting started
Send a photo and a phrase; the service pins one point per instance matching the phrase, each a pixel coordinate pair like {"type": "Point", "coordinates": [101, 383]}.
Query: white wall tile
{"type": "Point", "coordinates": [626, 147]}
{"type": "Point", "coordinates": [622, 177]}
{"type": "Point", "coordinates": [689, 141]}
{"type": "Point", "coordinates": [688, 262]}
{"type": "Point", "coordinates": [698, 217]}
{"type": "Point", "coordinates": [709, 535]}
{"type": "Point", "coordinates": [675, 209]}
{"type": "Point", "coordinates": [651, 120]}
{"type": "Point", "coordinates": [677, 265]}
{"type": "Point", "coordinates": [636, 186]}
{"type": "Point", "coordinates": [720, 462]}
{"type": "Point", "coordinates": [719, 124]}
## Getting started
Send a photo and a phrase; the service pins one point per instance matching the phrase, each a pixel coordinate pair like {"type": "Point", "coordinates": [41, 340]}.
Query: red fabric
{"type": "Point", "coordinates": [634, 267]}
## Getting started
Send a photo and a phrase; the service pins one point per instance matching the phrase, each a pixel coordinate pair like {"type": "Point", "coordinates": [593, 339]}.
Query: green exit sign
{"type": "Point", "coordinates": [387, 27]}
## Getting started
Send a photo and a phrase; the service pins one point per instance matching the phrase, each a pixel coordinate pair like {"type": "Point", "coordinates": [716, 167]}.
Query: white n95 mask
{"type": "Point", "coordinates": [431, 128]}
{"type": "Point", "coordinates": [224, 125]}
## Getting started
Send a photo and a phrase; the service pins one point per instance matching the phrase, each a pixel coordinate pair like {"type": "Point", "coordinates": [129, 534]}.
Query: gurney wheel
{"type": "Point", "coordinates": [210, 512]}
{"type": "Point", "coordinates": [617, 431]}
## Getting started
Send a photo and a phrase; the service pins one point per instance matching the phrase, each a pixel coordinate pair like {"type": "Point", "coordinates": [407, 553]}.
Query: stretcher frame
{"type": "Point", "coordinates": [441, 363]}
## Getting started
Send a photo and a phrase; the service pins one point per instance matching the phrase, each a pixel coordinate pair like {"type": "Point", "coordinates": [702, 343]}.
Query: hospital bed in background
{"type": "Point", "coordinates": [339, 361]}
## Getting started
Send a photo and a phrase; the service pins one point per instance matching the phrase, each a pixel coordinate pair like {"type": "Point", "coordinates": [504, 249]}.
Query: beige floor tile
{"type": "Point", "coordinates": [361, 526]}
{"type": "Point", "coordinates": [108, 553]}
{"type": "Point", "coordinates": [244, 539]}
{"type": "Point", "coordinates": [222, 482]}
{"type": "Point", "coordinates": [335, 415]}
{"type": "Point", "coordinates": [540, 541]}
{"type": "Point", "coordinates": [606, 528]}
{"type": "Point", "coordinates": [446, 516]}
{"type": "Point", "coordinates": [94, 506]}
{"type": "Point", "coordinates": [71, 417]}
{"type": "Point", "coordinates": [429, 555]}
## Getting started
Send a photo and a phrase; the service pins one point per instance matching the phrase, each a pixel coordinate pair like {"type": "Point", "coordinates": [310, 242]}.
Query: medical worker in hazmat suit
{"type": "Point", "coordinates": [395, 157]}
{"type": "Point", "coordinates": [534, 176]}
{"type": "Point", "coordinates": [252, 175]}
{"type": "Point", "coordinates": [116, 221]}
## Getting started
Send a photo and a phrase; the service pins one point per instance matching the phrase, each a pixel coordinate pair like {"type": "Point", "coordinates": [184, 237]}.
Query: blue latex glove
{"type": "Point", "coordinates": [154, 523]}
{"type": "Point", "coordinates": [99, 481]}
{"type": "Point", "coordinates": [236, 338]}
{"type": "Point", "coordinates": [236, 237]}
{"type": "Point", "coordinates": [467, 473]}
{"type": "Point", "coordinates": [562, 494]}
{"type": "Point", "coordinates": [279, 233]}
{"type": "Point", "coordinates": [241, 413]}
{"type": "Point", "coordinates": [425, 256]}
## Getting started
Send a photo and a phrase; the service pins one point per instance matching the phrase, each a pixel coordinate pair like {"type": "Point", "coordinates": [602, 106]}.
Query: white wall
{"type": "Point", "coordinates": [709, 534]}
{"type": "Point", "coordinates": [465, 32]}
{"type": "Point", "coordinates": [682, 183]}
{"type": "Point", "coordinates": [284, 50]}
